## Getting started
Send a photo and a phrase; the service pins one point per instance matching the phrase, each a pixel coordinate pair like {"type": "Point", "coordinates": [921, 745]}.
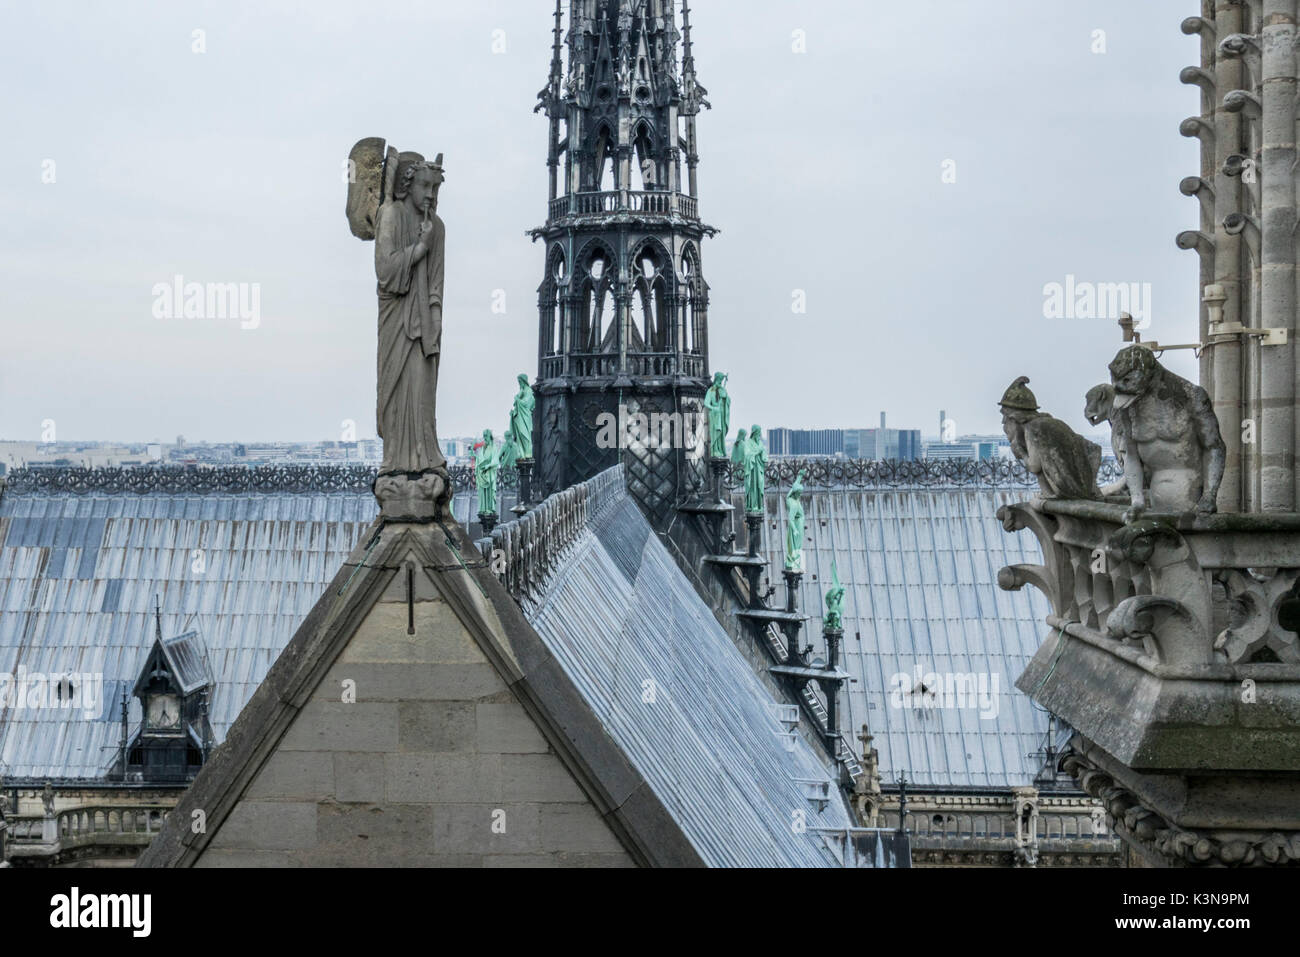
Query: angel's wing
{"type": "Point", "coordinates": [366, 181]}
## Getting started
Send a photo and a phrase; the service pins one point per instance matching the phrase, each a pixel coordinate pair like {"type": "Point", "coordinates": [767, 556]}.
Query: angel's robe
{"type": "Point", "coordinates": [410, 339]}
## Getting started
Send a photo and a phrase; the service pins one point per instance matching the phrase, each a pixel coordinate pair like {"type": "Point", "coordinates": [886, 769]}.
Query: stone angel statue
{"type": "Point", "coordinates": [393, 200]}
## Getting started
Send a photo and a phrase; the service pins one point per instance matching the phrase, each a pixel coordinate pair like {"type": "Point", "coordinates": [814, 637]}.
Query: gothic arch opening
{"type": "Point", "coordinates": [647, 169]}
{"type": "Point", "coordinates": [552, 296]}
{"type": "Point", "coordinates": [690, 286]}
{"type": "Point", "coordinates": [604, 176]}
{"type": "Point", "coordinates": [597, 331]}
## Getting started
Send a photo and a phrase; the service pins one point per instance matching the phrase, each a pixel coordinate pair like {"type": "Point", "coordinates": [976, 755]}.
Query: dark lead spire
{"type": "Point", "coordinates": [623, 302]}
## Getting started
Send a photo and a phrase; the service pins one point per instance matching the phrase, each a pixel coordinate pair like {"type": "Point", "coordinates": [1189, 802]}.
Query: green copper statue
{"type": "Point", "coordinates": [749, 453]}
{"type": "Point", "coordinates": [717, 403]}
{"type": "Point", "coordinates": [509, 451]}
{"type": "Point", "coordinates": [486, 465]}
{"type": "Point", "coordinates": [521, 419]}
{"type": "Point", "coordinates": [834, 617]}
{"type": "Point", "coordinates": [794, 525]}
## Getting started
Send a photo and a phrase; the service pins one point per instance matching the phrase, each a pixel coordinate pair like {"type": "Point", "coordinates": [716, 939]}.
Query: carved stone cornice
{"type": "Point", "coordinates": [1165, 842]}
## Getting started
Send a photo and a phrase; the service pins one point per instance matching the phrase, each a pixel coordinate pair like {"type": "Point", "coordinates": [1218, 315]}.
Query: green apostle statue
{"type": "Point", "coordinates": [834, 617]}
{"type": "Point", "coordinates": [509, 451]}
{"type": "Point", "coordinates": [750, 453]}
{"type": "Point", "coordinates": [741, 447]}
{"type": "Point", "coordinates": [521, 419]}
{"type": "Point", "coordinates": [717, 403]}
{"type": "Point", "coordinates": [794, 525]}
{"type": "Point", "coordinates": [486, 465]}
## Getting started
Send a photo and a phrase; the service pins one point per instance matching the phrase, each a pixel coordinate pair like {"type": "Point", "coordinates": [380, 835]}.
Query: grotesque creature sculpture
{"type": "Point", "coordinates": [1174, 454]}
{"type": "Point", "coordinates": [1099, 408]}
{"type": "Point", "coordinates": [1064, 462]}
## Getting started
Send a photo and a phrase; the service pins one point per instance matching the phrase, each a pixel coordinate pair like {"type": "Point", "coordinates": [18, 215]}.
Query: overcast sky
{"type": "Point", "coordinates": [823, 169]}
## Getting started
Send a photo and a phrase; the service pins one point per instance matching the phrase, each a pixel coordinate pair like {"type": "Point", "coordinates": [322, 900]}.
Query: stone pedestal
{"type": "Point", "coordinates": [416, 497]}
{"type": "Point", "coordinates": [488, 521]}
{"type": "Point", "coordinates": [717, 471]}
{"type": "Point", "coordinates": [792, 582]}
{"type": "Point", "coordinates": [792, 631]}
{"type": "Point", "coordinates": [525, 469]}
{"type": "Point", "coordinates": [754, 526]}
{"type": "Point", "coordinates": [831, 686]}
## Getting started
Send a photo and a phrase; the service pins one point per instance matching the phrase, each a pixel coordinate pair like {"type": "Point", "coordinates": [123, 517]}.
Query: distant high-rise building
{"type": "Point", "coordinates": [881, 443]}
{"type": "Point", "coordinates": [806, 442]}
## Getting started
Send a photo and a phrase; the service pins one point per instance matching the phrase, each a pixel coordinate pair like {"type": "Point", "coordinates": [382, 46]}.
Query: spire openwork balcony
{"type": "Point", "coordinates": [654, 203]}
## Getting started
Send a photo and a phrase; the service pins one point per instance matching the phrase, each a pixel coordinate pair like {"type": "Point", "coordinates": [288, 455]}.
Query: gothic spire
{"type": "Point", "coordinates": [693, 95]}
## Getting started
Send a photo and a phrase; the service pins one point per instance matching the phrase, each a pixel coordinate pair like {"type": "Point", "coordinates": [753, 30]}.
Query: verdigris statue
{"type": "Point", "coordinates": [740, 448]}
{"type": "Point", "coordinates": [752, 456]}
{"type": "Point", "coordinates": [487, 464]}
{"type": "Point", "coordinates": [1099, 407]}
{"type": "Point", "coordinates": [717, 403]}
{"type": "Point", "coordinates": [521, 419]}
{"type": "Point", "coordinates": [834, 616]}
{"type": "Point", "coordinates": [794, 525]}
{"type": "Point", "coordinates": [393, 199]}
{"type": "Point", "coordinates": [1064, 462]}
{"type": "Point", "coordinates": [1174, 455]}
{"type": "Point", "coordinates": [509, 451]}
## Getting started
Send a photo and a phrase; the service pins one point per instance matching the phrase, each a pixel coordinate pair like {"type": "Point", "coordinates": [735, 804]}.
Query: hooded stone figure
{"type": "Point", "coordinates": [1064, 462]}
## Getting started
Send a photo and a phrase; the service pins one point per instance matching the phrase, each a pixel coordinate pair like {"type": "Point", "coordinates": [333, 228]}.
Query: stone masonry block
{"type": "Point", "coordinates": [506, 728]}
{"type": "Point", "coordinates": [334, 726]}
{"type": "Point", "coordinates": [358, 778]}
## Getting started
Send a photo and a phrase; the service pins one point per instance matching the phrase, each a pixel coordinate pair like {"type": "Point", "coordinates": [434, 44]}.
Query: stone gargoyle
{"type": "Point", "coordinates": [1064, 462]}
{"type": "Point", "coordinates": [1100, 407]}
{"type": "Point", "coordinates": [1173, 452]}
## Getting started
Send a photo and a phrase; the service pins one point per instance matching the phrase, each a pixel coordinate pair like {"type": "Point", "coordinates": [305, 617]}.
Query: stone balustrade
{"type": "Point", "coordinates": [525, 553]}
{"type": "Point", "coordinates": [639, 202]}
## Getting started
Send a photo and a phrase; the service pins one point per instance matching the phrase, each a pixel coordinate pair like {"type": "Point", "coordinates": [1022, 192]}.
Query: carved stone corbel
{"type": "Point", "coordinates": [1168, 631]}
{"type": "Point", "coordinates": [1053, 576]}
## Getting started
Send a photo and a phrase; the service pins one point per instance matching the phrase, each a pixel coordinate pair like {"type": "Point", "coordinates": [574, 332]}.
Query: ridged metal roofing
{"type": "Point", "coordinates": [617, 614]}
{"type": "Point", "coordinates": [920, 568]}
{"type": "Point", "coordinates": [78, 579]}
{"type": "Point", "coordinates": [79, 574]}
